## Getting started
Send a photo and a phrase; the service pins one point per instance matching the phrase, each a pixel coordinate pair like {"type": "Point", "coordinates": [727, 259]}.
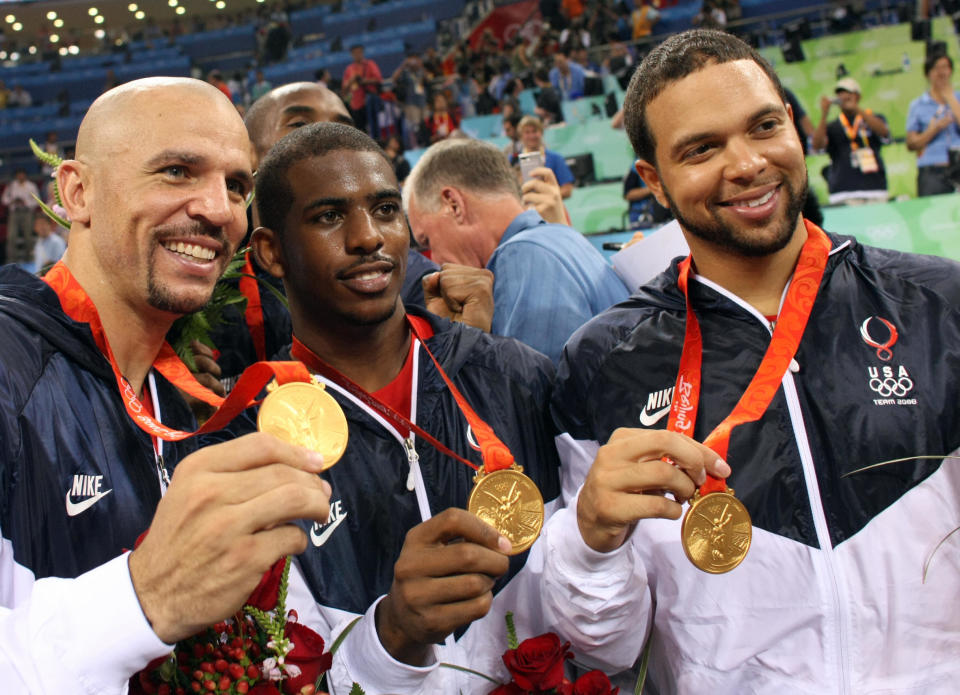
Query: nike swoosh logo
{"type": "Point", "coordinates": [321, 538]}
{"type": "Point", "coordinates": [651, 419]}
{"type": "Point", "coordinates": [74, 508]}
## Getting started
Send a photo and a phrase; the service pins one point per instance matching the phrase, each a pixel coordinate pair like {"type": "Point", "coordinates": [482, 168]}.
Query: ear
{"type": "Point", "coordinates": [73, 183]}
{"type": "Point", "coordinates": [268, 251]}
{"type": "Point", "coordinates": [648, 172]}
{"type": "Point", "coordinates": [454, 203]}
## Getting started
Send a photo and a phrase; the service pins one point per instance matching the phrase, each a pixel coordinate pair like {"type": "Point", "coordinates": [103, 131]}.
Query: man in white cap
{"type": "Point", "coordinates": [853, 141]}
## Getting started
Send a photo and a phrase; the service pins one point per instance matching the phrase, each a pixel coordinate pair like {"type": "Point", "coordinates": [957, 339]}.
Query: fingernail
{"type": "Point", "coordinates": [702, 478]}
{"type": "Point", "coordinates": [504, 544]}
{"type": "Point", "coordinates": [721, 468]}
{"type": "Point", "coordinates": [315, 459]}
{"type": "Point", "coordinates": [325, 486]}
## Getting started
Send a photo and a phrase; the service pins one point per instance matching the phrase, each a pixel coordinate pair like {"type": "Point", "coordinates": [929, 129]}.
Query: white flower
{"type": "Point", "coordinates": [292, 670]}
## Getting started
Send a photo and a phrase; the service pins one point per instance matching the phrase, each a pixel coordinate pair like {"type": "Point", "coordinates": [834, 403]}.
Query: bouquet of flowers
{"type": "Point", "coordinates": [262, 650]}
{"type": "Point", "coordinates": [536, 668]}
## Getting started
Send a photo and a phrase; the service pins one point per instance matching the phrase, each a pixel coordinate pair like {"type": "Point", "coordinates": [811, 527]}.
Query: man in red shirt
{"type": "Point", "coordinates": [360, 79]}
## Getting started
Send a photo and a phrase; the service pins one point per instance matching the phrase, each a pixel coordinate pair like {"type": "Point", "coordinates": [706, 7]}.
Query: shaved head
{"type": "Point", "coordinates": [291, 106]}
{"type": "Point", "coordinates": [156, 194]}
{"type": "Point", "coordinates": [119, 115]}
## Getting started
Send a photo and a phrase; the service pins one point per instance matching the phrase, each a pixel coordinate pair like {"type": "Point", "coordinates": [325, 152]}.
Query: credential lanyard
{"type": "Point", "coordinates": [853, 130]}
{"type": "Point", "coordinates": [790, 325]}
{"type": "Point", "coordinates": [79, 307]}
{"type": "Point", "coordinates": [496, 455]}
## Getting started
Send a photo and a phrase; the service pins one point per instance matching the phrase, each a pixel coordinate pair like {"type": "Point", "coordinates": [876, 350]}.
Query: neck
{"type": "Point", "coordinates": [851, 114]}
{"type": "Point", "coordinates": [759, 281]}
{"type": "Point", "coordinates": [369, 355]}
{"type": "Point", "coordinates": [135, 335]}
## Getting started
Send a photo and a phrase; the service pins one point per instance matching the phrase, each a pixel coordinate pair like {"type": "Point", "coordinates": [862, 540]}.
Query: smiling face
{"type": "Point", "coordinates": [342, 253]}
{"type": "Point", "coordinates": [166, 176]}
{"type": "Point", "coordinates": [732, 168]}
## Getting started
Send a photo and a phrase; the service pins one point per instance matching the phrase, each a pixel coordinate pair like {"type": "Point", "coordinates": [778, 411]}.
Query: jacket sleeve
{"type": "Point", "coordinates": [85, 635]}
{"type": "Point", "coordinates": [360, 658]}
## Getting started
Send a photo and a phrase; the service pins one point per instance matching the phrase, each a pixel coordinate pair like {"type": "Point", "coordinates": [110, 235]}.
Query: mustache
{"type": "Point", "coordinates": [365, 260]}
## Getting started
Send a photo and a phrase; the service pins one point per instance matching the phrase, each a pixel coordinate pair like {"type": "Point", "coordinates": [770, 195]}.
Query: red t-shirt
{"type": "Point", "coordinates": [398, 394]}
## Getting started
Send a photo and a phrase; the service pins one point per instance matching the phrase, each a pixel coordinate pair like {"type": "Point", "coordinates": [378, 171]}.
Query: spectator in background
{"type": "Point", "coordinates": [441, 123]}
{"type": "Point", "coordinates": [51, 146]}
{"type": "Point", "coordinates": [465, 91]}
{"type": "Point", "coordinates": [710, 16]}
{"type": "Point", "coordinates": [361, 79]}
{"type": "Point", "coordinates": [511, 128]}
{"type": "Point", "coordinates": [567, 77]}
{"type": "Point", "coordinates": [804, 127]}
{"type": "Point", "coordinates": [393, 148]}
{"type": "Point", "coordinates": [853, 141]}
{"type": "Point", "coordinates": [216, 79]}
{"type": "Point", "coordinates": [410, 86]}
{"type": "Point", "coordinates": [238, 90]}
{"type": "Point", "coordinates": [260, 87]}
{"type": "Point", "coordinates": [932, 130]}
{"type": "Point", "coordinates": [643, 210]}
{"type": "Point", "coordinates": [464, 203]}
{"type": "Point", "coordinates": [619, 63]}
{"type": "Point", "coordinates": [432, 63]}
{"type": "Point", "coordinates": [4, 95]}
{"type": "Point", "coordinates": [50, 245]}
{"type": "Point", "coordinates": [642, 19]}
{"type": "Point", "coordinates": [20, 198]}
{"type": "Point", "coordinates": [531, 140]}
{"type": "Point", "coordinates": [547, 99]}
{"type": "Point", "coordinates": [19, 97]}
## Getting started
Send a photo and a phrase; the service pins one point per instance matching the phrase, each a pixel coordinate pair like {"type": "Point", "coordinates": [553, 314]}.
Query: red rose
{"type": "Point", "coordinates": [594, 683]}
{"type": "Point", "coordinates": [264, 596]}
{"type": "Point", "coordinates": [537, 664]}
{"type": "Point", "coordinates": [307, 654]}
{"type": "Point", "coordinates": [565, 688]}
{"type": "Point", "coordinates": [508, 689]}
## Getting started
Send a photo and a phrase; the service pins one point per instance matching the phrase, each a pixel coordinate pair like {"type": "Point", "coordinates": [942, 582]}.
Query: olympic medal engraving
{"type": "Point", "coordinates": [511, 503]}
{"type": "Point", "coordinates": [305, 414]}
{"type": "Point", "coordinates": [716, 532]}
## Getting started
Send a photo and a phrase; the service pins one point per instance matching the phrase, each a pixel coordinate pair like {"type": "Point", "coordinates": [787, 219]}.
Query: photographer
{"type": "Point", "coordinates": [853, 141]}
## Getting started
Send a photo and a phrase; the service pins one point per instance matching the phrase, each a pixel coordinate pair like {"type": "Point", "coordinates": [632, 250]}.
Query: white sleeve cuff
{"type": "Point", "coordinates": [570, 554]}
{"type": "Point", "coordinates": [370, 665]}
{"type": "Point", "coordinates": [88, 633]}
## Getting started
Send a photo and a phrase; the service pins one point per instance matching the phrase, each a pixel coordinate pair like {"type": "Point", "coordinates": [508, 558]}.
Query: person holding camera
{"type": "Point", "coordinates": [853, 140]}
{"type": "Point", "coordinates": [932, 130]}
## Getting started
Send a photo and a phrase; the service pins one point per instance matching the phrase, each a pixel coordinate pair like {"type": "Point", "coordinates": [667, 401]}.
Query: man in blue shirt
{"type": "Point", "coordinates": [531, 140]}
{"type": "Point", "coordinates": [567, 77]}
{"type": "Point", "coordinates": [463, 202]}
{"type": "Point", "coordinates": [932, 127]}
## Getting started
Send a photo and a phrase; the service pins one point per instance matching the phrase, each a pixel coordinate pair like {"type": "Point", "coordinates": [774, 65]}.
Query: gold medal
{"type": "Point", "coordinates": [305, 414]}
{"type": "Point", "coordinates": [716, 531]}
{"type": "Point", "coordinates": [511, 503]}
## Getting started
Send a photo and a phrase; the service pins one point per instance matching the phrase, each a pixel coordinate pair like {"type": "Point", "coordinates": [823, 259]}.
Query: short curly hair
{"type": "Point", "coordinates": [671, 61]}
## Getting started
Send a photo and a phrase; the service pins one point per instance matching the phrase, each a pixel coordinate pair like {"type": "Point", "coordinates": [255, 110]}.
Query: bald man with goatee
{"type": "Point", "coordinates": [157, 197]}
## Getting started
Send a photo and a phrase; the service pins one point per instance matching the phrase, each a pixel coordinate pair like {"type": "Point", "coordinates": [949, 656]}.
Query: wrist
{"type": "Point", "coordinates": [394, 640]}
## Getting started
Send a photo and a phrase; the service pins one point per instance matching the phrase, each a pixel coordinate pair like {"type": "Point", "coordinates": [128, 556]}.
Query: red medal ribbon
{"type": "Point", "coordinates": [253, 314]}
{"type": "Point", "coordinates": [79, 307]}
{"type": "Point", "coordinates": [791, 323]}
{"type": "Point", "coordinates": [496, 455]}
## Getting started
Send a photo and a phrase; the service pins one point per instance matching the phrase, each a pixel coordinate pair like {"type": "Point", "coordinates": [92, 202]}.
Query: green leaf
{"type": "Point", "coordinates": [48, 211]}
{"type": "Point", "coordinates": [644, 663]}
{"type": "Point", "coordinates": [464, 669]}
{"type": "Point", "coordinates": [47, 158]}
{"type": "Point", "coordinates": [343, 635]}
{"type": "Point", "coordinates": [356, 690]}
{"type": "Point", "coordinates": [512, 641]}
